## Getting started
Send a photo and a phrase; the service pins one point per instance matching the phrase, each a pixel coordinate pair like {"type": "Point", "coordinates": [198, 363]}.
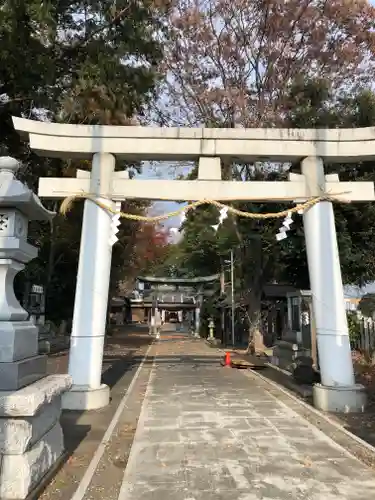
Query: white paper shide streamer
{"type": "Point", "coordinates": [285, 226]}
{"type": "Point", "coordinates": [223, 215]}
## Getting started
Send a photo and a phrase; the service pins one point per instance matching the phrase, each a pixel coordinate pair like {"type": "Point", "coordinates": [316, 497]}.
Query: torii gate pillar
{"type": "Point", "coordinates": [91, 299]}
{"type": "Point", "coordinates": [337, 391]}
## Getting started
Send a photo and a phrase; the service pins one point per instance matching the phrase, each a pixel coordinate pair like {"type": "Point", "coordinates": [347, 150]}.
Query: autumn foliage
{"type": "Point", "coordinates": [232, 62]}
{"type": "Point", "coordinates": [151, 244]}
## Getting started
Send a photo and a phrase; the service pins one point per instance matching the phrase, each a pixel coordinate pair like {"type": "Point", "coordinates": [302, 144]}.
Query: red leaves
{"type": "Point", "coordinates": [150, 244]}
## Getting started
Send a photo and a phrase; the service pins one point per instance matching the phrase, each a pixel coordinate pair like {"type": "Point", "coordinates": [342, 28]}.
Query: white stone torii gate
{"type": "Point", "coordinates": [102, 144]}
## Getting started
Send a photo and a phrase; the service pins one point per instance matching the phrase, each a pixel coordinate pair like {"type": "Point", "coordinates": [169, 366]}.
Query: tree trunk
{"type": "Point", "coordinates": [256, 340]}
{"type": "Point", "coordinates": [51, 258]}
{"type": "Point", "coordinates": [52, 248]}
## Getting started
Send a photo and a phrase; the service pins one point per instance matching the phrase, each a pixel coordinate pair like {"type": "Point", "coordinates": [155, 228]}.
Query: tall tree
{"type": "Point", "coordinates": [148, 248]}
{"type": "Point", "coordinates": [260, 258]}
{"type": "Point", "coordinates": [235, 63]}
{"type": "Point", "coordinates": [78, 62]}
{"type": "Point", "coordinates": [232, 62]}
{"type": "Point", "coordinates": [316, 106]}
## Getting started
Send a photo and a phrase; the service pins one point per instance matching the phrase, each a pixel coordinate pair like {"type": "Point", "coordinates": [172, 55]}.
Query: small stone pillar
{"type": "Point", "coordinates": [211, 329]}
{"type": "Point", "coordinates": [31, 439]}
{"type": "Point", "coordinates": [152, 323]}
{"type": "Point", "coordinates": [197, 321]}
{"type": "Point", "coordinates": [157, 326]}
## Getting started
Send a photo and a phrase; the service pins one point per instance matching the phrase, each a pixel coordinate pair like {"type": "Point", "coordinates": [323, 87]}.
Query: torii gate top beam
{"type": "Point", "coordinates": [240, 145]}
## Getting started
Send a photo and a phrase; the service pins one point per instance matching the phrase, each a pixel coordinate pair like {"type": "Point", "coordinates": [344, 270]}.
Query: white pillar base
{"type": "Point", "coordinates": [340, 399]}
{"type": "Point", "coordinates": [82, 398]}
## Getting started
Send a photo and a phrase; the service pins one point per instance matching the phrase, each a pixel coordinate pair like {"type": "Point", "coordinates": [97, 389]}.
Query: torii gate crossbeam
{"type": "Point", "coordinates": [103, 144]}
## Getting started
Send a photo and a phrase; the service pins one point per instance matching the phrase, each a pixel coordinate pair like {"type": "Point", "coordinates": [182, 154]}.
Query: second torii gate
{"type": "Point", "coordinates": [103, 144]}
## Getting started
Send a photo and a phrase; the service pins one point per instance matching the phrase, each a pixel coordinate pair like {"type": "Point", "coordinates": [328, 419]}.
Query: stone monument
{"type": "Point", "coordinates": [31, 439]}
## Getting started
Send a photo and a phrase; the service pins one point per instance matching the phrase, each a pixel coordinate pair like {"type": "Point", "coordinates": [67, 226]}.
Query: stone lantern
{"type": "Point", "coordinates": [31, 439]}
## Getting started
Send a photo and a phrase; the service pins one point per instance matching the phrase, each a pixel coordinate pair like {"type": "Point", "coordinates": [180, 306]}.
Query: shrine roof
{"type": "Point", "coordinates": [179, 281]}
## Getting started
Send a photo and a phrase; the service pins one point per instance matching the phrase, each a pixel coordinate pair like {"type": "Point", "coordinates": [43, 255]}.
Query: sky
{"type": "Point", "coordinates": [159, 171]}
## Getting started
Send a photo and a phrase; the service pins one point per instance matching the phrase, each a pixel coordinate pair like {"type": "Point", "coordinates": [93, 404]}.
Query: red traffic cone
{"type": "Point", "coordinates": [227, 361]}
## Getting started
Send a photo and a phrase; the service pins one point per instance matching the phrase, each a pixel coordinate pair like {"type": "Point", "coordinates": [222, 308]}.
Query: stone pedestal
{"type": "Point", "coordinates": [31, 438]}
{"type": "Point", "coordinates": [285, 355]}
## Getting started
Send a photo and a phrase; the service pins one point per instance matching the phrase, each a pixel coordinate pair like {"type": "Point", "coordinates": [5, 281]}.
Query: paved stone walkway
{"type": "Point", "coordinates": [207, 432]}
